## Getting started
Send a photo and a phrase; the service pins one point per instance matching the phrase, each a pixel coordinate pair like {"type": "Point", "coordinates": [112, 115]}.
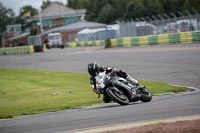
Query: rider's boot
{"type": "Point", "coordinates": [132, 80]}
{"type": "Point", "coordinates": [134, 89]}
{"type": "Point", "coordinates": [139, 86]}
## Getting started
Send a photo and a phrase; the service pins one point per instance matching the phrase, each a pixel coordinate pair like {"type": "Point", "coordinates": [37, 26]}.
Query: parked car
{"type": "Point", "coordinates": [168, 31]}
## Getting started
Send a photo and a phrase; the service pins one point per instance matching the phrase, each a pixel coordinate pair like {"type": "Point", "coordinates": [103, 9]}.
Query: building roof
{"type": "Point", "coordinates": [91, 31]}
{"type": "Point", "coordinates": [23, 35]}
{"type": "Point", "coordinates": [75, 26]}
{"type": "Point", "coordinates": [56, 11]}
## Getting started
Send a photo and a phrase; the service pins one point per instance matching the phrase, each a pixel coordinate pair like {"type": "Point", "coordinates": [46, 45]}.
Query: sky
{"type": "Point", "coordinates": [15, 5]}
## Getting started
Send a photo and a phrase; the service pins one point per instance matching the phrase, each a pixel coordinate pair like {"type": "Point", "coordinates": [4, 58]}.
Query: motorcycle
{"type": "Point", "coordinates": [115, 88]}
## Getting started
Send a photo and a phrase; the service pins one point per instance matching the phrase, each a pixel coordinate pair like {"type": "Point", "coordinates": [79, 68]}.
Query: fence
{"type": "Point", "coordinates": [150, 25]}
{"type": "Point", "coordinates": [161, 25]}
{"type": "Point", "coordinates": [96, 34]}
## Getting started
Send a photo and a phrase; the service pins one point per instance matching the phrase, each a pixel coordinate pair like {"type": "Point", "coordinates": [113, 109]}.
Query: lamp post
{"type": "Point", "coordinates": [162, 21]}
{"type": "Point", "coordinates": [150, 23]}
{"type": "Point", "coordinates": [168, 18]}
{"type": "Point", "coordinates": [182, 17]}
{"type": "Point", "coordinates": [145, 25]}
{"type": "Point", "coordinates": [190, 19]}
{"type": "Point", "coordinates": [175, 19]}
{"type": "Point", "coordinates": [197, 17]}
{"type": "Point", "coordinates": [156, 22]}
{"type": "Point", "coordinates": [137, 19]}
{"type": "Point", "coordinates": [41, 28]}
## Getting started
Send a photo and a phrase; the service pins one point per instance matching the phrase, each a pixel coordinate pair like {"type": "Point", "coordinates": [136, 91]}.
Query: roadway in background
{"type": "Point", "coordinates": [172, 64]}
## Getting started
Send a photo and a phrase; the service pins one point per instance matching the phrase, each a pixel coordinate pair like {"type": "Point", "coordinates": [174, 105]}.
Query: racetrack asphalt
{"type": "Point", "coordinates": [172, 64]}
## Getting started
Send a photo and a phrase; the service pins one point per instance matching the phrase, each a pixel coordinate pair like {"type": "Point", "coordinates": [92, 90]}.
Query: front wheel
{"type": "Point", "coordinates": [62, 47]}
{"type": "Point", "coordinates": [145, 95]}
{"type": "Point", "coordinates": [119, 98]}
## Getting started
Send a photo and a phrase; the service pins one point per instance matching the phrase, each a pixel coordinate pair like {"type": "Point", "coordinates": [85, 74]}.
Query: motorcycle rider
{"type": "Point", "coordinates": [94, 69]}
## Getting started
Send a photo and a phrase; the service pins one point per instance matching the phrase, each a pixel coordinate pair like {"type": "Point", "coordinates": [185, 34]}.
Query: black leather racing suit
{"type": "Point", "coordinates": [120, 73]}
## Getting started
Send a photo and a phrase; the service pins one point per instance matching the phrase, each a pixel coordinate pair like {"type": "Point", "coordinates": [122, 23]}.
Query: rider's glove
{"type": "Point", "coordinates": [110, 69]}
{"type": "Point", "coordinates": [96, 91]}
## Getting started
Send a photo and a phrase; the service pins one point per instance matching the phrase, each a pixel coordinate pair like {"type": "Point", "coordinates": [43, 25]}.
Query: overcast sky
{"type": "Point", "coordinates": [17, 4]}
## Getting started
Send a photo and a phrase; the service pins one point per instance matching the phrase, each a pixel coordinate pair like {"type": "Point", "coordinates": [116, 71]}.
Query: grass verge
{"type": "Point", "coordinates": [25, 92]}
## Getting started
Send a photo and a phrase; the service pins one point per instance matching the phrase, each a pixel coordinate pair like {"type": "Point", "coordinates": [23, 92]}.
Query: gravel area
{"type": "Point", "coordinates": [184, 124]}
{"type": "Point", "coordinates": [188, 126]}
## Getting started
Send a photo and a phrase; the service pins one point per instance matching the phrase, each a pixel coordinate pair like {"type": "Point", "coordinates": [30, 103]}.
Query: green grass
{"type": "Point", "coordinates": [156, 87]}
{"type": "Point", "coordinates": [153, 124]}
{"type": "Point", "coordinates": [24, 92]}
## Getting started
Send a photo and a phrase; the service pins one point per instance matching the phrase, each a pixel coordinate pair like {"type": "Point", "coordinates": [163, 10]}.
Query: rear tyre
{"type": "Point", "coordinates": [119, 98]}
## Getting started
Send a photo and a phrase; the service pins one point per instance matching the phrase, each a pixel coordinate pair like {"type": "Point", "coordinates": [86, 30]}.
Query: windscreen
{"type": "Point", "coordinates": [54, 37]}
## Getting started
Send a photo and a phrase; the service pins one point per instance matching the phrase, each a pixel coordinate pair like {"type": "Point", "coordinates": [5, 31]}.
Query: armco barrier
{"type": "Point", "coordinates": [163, 39]}
{"type": "Point", "coordinates": [17, 50]}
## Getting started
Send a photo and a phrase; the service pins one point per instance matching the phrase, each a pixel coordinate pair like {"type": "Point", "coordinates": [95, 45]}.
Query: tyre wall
{"type": "Point", "coordinates": [89, 43]}
{"type": "Point", "coordinates": [164, 39]}
{"type": "Point", "coordinates": [17, 50]}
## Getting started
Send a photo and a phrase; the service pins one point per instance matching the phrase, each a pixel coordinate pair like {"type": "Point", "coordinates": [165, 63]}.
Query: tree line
{"type": "Point", "coordinates": [110, 11]}
{"type": "Point", "coordinates": [104, 11]}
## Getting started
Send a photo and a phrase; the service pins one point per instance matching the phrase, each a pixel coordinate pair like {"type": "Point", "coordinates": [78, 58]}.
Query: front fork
{"type": "Point", "coordinates": [126, 89]}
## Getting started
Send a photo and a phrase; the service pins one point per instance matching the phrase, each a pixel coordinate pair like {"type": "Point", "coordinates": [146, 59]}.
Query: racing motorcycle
{"type": "Point", "coordinates": [118, 89]}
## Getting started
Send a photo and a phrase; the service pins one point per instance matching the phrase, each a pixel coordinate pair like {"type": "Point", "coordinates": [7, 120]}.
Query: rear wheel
{"type": "Point", "coordinates": [119, 98]}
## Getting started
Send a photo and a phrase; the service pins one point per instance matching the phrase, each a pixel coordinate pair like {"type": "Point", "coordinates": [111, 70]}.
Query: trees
{"type": "Point", "coordinates": [7, 16]}
{"type": "Point", "coordinates": [152, 7]}
{"type": "Point", "coordinates": [134, 9]}
{"type": "Point", "coordinates": [28, 8]}
{"type": "Point", "coordinates": [106, 11]}
{"type": "Point", "coordinates": [24, 21]}
{"type": "Point", "coordinates": [47, 3]}
{"type": "Point", "coordinates": [107, 14]}
{"type": "Point", "coordinates": [120, 6]}
{"type": "Point", "coordinates": [130, 9]}
{"type": "Point", "coordinates": [189, 4]}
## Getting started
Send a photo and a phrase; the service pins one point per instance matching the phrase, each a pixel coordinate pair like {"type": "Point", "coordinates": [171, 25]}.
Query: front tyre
{"type": "Point", "coordinates": [145, 95]}
{"type": "Point", "coordinates": [106, 99]}
{"type": "Point", "coordinates": [62, 47]}
{"type": "Point", "coordinates": [119, 98]}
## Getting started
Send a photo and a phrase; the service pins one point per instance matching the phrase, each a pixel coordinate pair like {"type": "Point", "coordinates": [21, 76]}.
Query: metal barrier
{"type": "Point", "coordinates": [159, 25]}
{"type": "Point", "coordinates": [150, 25]}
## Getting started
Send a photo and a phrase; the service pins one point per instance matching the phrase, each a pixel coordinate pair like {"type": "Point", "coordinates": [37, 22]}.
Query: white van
{"type": "Point", "coordinates": [55, 40]}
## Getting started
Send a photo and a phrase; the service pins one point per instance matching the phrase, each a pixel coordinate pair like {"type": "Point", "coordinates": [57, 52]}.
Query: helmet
{"type": "Point", "coordinates": [93, 68]}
